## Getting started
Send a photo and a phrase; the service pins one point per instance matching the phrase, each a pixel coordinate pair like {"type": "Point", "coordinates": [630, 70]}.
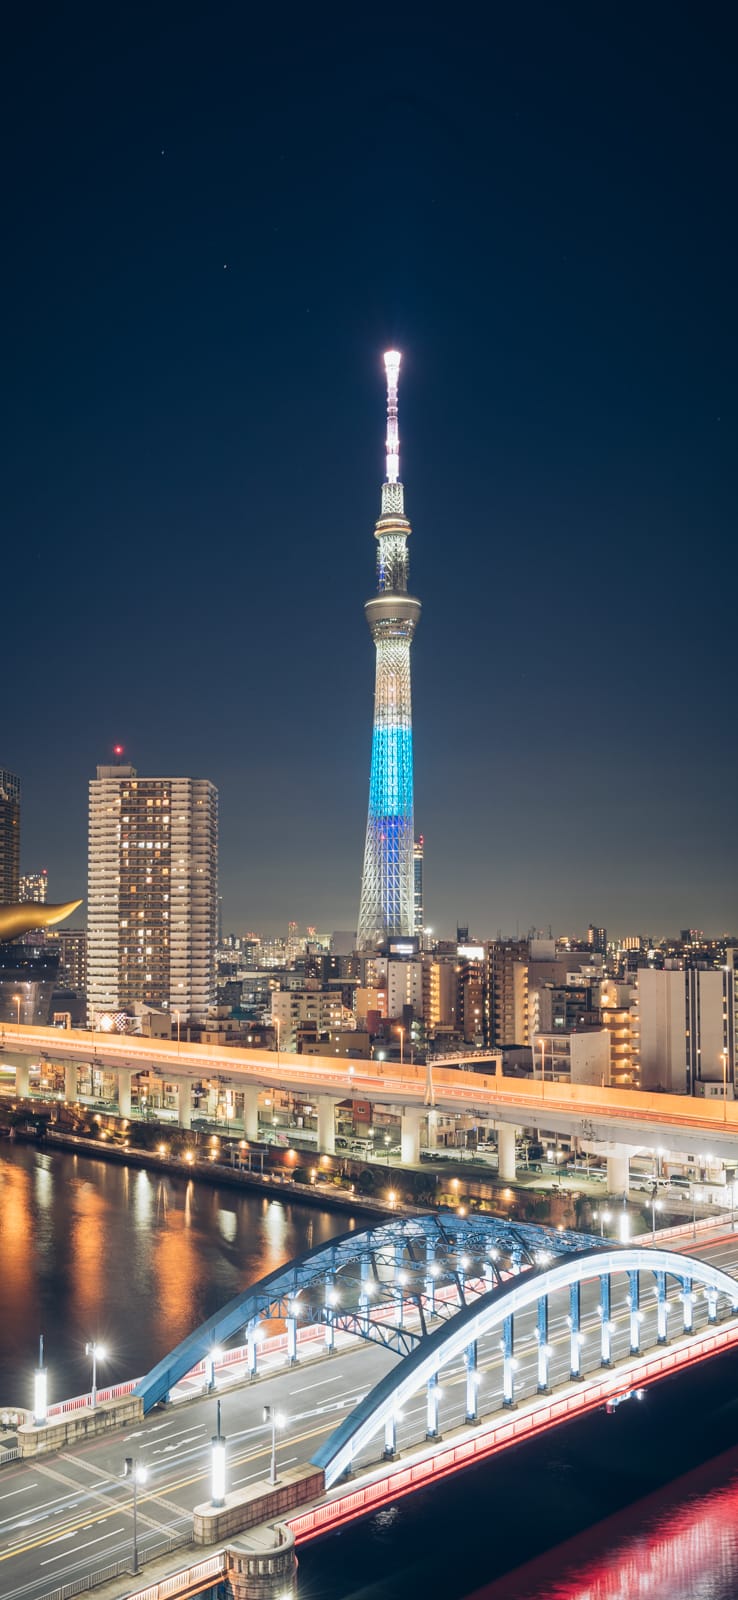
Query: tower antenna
{"type": "Point", "coordinates": [392, 359]}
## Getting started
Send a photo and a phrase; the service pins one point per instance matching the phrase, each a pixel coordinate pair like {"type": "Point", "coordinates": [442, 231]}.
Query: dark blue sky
{"type": "Point", "coordinates": [214, 226]}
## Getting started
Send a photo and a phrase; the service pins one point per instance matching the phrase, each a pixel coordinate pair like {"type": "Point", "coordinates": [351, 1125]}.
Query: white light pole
{"type": "Point", "coordinates": [217, 1466]}
{"type": "Point", "coordinates": [137, 1473]}
{"type": "Point", "coordinates": [401, 1032]}
{"type": "Point", "coordinates": [655, 1206]}
{"type": "Point", "coordinates": [40, 1388]}
{"type": "Point", "coordinates": [274, 1420]}
{"type": "Point", "coordinates": [98, 1353]}
{"type": "Point", "coordinates": [17, 999]}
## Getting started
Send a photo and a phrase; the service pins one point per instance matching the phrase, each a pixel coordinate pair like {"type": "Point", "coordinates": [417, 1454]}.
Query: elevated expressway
{"type": "Point", "coordinates": [617, 1117]}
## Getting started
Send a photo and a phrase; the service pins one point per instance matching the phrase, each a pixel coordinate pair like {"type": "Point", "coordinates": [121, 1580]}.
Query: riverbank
{"type": "Point", "coordinates": [222, 1175]}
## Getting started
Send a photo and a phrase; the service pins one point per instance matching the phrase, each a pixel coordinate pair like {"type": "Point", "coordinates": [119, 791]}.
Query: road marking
{"type": "Point", "coordinates": [320, 1385]}
{"type": "Point", "coordinates": [109, 1535]}
{"type": "Point", "coordinates": [9, 1496]}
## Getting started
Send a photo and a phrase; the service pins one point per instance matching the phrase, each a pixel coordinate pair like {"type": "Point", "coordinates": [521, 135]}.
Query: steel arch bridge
{"type": "Point", "coordinates": [386, 1283]}
{"type": "Point", "coordinates": [496, 1309]}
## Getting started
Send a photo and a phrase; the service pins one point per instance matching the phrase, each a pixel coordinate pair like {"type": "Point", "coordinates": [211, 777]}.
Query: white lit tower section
{"type": "Point", "coordinates": [387, 887]}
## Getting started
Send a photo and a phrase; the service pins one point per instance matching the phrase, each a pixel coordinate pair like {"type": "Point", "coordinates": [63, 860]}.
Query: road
{"type": "Point", "coordinates": [70, 1514]}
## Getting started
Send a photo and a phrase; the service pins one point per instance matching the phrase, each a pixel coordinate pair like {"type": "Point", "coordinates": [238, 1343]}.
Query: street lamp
{"type": "Point", "coordinates": [17, 999]}
{"type": "Point", "coordinates": [98, 1353]}
{"type": "Point", "coordinates": [138, 1474]}
{"type": "Point", "coordinates": [273, 1419]}
{"type": "Point", "coordinates": [724, 1054]}
{"type": "Point", "coordinates": [604, 1216]}
{"type": "Point", "coordinates": [655, 1206]}
{"type": "Point", "coordinates": [178, 1017]}
{"type": "Point", "coordinates": [401, 1032]}
{"type": "Point", "coordinates": [217, 1466]}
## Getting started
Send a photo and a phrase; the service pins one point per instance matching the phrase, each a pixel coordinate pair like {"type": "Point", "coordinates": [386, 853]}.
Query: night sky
{"type": "Point", "coordinates": [216, 218]}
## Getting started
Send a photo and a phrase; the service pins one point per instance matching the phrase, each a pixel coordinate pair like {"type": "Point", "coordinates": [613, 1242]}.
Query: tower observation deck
{"type": "Point", "coordinates": [387, 885]}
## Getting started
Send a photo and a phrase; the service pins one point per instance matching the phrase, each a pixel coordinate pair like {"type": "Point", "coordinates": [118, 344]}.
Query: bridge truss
{"type": "Point", "coordinates": [391, 1283]}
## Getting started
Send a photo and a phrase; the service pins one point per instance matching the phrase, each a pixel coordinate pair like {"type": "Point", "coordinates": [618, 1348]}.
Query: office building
{"type": "Point", "coordinates": [10, 804]}
{"type": "Point", "coordinates": [152, 894]}
{"type": "Point", "coordinates": [387, 905]}
{"type": "Point", "coordinates": [687, 1023]}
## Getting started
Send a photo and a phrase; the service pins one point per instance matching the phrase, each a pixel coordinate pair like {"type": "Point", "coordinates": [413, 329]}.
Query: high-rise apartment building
{"type": "Point", "coordinates": [687, 1022]}
{"type": "Point", "coordinates": [418, 859]}
{"type": "Point", "coordinates": [506, 992]}
{"type": "Point", "coordinates": [387, 885]}
{"type": "Point", "coordinates": [33, 887]}
{"type": "Point", "coordinates": [152, 894]}
{"type": "Point", "coordinates": [10, 802]}
{"type": "Point", "coordinates": [72, 946]}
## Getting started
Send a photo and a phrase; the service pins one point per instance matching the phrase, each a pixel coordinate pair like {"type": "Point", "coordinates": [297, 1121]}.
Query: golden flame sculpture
{"type": "Point", "coordinates": [21, 918]}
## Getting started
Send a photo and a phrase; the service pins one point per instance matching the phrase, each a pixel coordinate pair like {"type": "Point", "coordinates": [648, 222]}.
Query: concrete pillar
{"type": "Point", "coordinates": [688, 1304]}
{"type": "Point", "coordinates": [634, 1298]}
{"type": "Point", "coordinates": [264, 1570]}
{"type": "Point", "coordinates": [390, 1437]}
{"type": "Point", "coordinates": [508, 1362]}
{"type": "Point", "coordinates": [22, 1079]}
{"type": "Point", "coordinates": [251, 1111]}
{"type": "Point", "coordinates": [327, 1124]}
{"type": "Point", "coordinates": [618, 1173]}
{"type": "Point", "coordinates": [410, 1136]}
{"type": "Point", "coordinates": [184, 1103]}
{"type": "Point", "coordinates": [124, 1091]}
{"type": "Point", "coordinates": [70, 1080]}
{"type": "Point", "coordinates": [506, 1152]}
{"type": "Point", "coordinates": [291, 1326]}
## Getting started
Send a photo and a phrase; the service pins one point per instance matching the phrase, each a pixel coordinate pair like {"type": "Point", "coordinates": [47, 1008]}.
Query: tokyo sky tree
{"type": "Point", "coordinates": [387, 883]}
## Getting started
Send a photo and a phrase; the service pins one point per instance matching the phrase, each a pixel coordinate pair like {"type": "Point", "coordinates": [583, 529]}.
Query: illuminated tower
{"type": "Point", "coordinates": [387, 886]}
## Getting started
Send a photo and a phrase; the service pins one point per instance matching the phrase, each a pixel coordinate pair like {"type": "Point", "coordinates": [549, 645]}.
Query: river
{"type": "Point", "coordinates": [642, 1505]}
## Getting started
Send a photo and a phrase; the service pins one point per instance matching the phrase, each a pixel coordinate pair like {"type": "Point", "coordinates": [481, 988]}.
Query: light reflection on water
{"type": "Point", "coordinates": [94, 1250]}
{"type": "Point", "coordinates": [678, 1544]}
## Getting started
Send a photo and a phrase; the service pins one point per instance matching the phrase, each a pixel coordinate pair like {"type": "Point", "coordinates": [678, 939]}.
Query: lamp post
{"type": "Point", "coordinates": [604, 1216]}
{"type": "Point", "coordinates": [273, 1419]}
{"type": "Point", "coordinates": [401, 1032]}
{"type": "Point", "coordinates": [178, 1016]}
{"type": "Point", "coordinates": [17, 1000]}
{"type": "Point", "coordinates": [98, 1353]}
{"type": "Point", "coordinates": [138, 1474]}
{"type": "Point", "coordinates": [655, 1206]}
{"type": "Point", "coordinates": [217, 1465]}
{"type": "Point", "coordinates": [724, 1053]}
{"type": "Point", "coordinates": [40, 1387]}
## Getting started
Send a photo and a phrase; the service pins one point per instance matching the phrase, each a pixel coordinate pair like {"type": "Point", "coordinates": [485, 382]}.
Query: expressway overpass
{"type": "Point", "coordinates": [620, 1118]}
{"type": "Point", "coordinates": [67, 1517]}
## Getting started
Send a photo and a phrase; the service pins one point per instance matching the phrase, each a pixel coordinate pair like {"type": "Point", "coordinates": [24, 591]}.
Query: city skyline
{"type": "Point", "coordinates": [199, 300]}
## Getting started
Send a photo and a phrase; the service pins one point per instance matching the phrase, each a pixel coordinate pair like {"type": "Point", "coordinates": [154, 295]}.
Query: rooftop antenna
{"type": "Point", "coordinates": [392, 359]}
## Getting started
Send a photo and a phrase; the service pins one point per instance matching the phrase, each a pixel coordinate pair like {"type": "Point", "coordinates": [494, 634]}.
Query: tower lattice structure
{"type": "Point", "coordinates": [387, 886]}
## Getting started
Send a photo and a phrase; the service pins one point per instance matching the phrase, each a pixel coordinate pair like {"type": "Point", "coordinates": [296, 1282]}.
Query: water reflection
{"type": "Point", "coordinates": [135, 1259]}
{"type": "Point", "coordinates": [681, 1544]}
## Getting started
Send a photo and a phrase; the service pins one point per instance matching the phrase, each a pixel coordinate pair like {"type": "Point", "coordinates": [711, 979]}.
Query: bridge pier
{"type": "Point", "coordinates": [327, 1124]}
{"type": "Point", "coordinates": [618, 1173]}
{"type": "Point", "coordinates": [70, 1080]}
{"type": "Point", "coordinates": [266, 1572]}
{"type": "Point", "coordinates": [184, 1103]}
{"type": "Point", "coordinates": [410, 1136]}
{"type": "Point", "coordinates": [124, 1091]}
{"type": "Point", "coordinates": [22, 1079]}
{"type": "Point", "coordinates": [506, 1151]}
{"type": "Point", "coordinates": [251, 1111]}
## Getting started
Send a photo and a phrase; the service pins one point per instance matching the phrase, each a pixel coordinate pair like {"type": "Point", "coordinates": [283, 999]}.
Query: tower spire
{"type": "Point", "coordinates": [392, 359]}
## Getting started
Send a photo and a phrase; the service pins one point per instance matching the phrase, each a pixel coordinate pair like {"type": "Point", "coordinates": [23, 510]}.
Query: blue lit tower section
{"type": "Point", "coordinates": [387, 887]}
